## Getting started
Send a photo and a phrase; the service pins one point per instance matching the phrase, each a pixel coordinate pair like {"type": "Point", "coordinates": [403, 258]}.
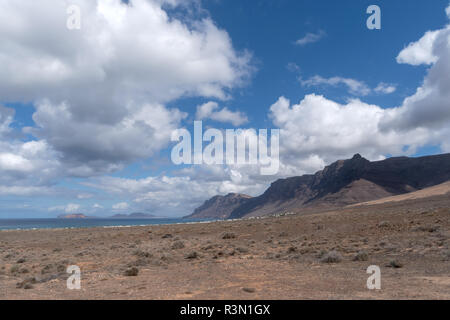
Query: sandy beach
{"type": "Point", "coordinates": [315, 256]}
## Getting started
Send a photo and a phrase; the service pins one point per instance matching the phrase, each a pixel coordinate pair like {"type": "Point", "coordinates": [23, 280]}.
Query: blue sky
{"type": "Point", "coordinates": [86, 115]}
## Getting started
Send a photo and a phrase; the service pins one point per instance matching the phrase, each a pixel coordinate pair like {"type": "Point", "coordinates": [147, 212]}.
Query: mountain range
{"type": "Point", "coordinates": [344, 182]}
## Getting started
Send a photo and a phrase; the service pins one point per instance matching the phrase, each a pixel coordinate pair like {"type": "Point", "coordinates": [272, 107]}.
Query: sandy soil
{"type": "Point", "coordinates": [271, 258]}
{"type": "Point", "coordinates": [441, 189]}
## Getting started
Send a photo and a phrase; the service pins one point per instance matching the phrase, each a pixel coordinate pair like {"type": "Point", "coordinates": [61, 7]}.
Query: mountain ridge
{"type": "Point", "coordinates": [345, 182]}
{"type": "Point", "coordinates": [219, 207]}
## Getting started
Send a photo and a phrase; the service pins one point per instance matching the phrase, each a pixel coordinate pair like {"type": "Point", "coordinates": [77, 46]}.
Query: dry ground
{"type": "Point", "coordinates": [271, 258]}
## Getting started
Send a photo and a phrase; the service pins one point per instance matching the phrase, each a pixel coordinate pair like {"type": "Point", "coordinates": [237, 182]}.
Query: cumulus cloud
{"type": "Point", "coordinates": [6, 119]}
{"type": "Point", "coordinates": [26, 167]}
{"type": "Point", "coordinates": [429, 107]}
{"type": "Point", "coordinates": [161, 194]}
{"type": "Point", "coordinates": [210, 110]}
{"type": "Point", "coordinates": [120, 206]}
{"type": "Point", "coordinates": [98, 103]}
{"type": "Point", "coordinates": [419, 52]}
{"type": "Point", "coordinates": [322, 131]}
{"type": "Point", "coordinates": [311, 38]}
{"type": "Point", "coordinates": [314, 132]}
{"type": "Point", "coordinates": [91, 147]}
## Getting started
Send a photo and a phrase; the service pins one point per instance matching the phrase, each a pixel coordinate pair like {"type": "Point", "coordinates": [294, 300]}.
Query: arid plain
{"type": "Point", "coordinates": [312, 255]}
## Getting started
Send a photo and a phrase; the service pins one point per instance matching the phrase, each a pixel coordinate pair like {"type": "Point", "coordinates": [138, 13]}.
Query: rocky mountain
{"type": "Point", "coordinates": [342, 183]}
{"type": "Point", "coordinates": [347, 182]}
{"type": "Point", "coordinates": [219, 207]}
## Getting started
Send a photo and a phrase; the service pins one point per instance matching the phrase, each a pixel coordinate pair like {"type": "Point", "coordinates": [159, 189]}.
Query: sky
{"type": "Point", "coordinates": [87, 114]}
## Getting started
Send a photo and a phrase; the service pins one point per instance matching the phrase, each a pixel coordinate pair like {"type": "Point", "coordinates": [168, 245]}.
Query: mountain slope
{"type": "Point", "coordinates": [438, 190]}
{"type": "Point", "coordinates": [219, 207]}
{"type": "Point", "coordinates": [347, 182]}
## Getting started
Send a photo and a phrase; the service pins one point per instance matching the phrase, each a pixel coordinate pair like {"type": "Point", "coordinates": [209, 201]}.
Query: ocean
{"type": "Point", "coordinates": [27, 224]}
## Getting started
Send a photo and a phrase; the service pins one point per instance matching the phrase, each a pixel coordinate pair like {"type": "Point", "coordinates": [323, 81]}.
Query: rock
{"type": "Point", "coordinates": [27, 283]}
{"type": "Point", "coordinates": [292, 249]}
{"type": "Point", "coordinates": [132, 272]}
{"type": "Point", "coordinates": [228, 235]}
{"type": "Point", "coordinates": [192, 255]}
{"type": "Point", "coordinates": [383, 224]}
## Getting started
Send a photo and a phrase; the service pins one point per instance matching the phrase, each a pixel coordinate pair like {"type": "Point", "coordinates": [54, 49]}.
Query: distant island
{"type": "Point", "coordinates": [135, 215]}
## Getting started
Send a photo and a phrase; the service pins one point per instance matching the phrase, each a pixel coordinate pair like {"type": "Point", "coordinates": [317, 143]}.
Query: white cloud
{"type": "Point", "coordinates": [72, 208]}
{"type": "Point", "coordinates": [120, 206]}
{"type": "Point", "coordinates": [320, 129]}
{"type": "Point", "coordinates": [293, 67]}
{"type": "Point", "coordinates": [91, 147]}
{"type": "Point", "coordinates": [355, 87]}
{"type": "Point", "coordinates": [6, 119]}
{"type": "Point", "coordinates": [429, 107]}
{"type": "Point", "coordinates": [419, 52]}
{"type": "Point", "coordinates": [26, 168]}
{"type": "Point", "coordinates": [210, 110]}
{"type": "Point", "coordinates": [205, 110]}
{"type": "Point", "coordinates": [323, 131]}
{"type": "Point", "coordinates": [161, 194]}
{"type": "Point", "coordinates": [99, 103]}
{"type": "Point", "coordinates": [69, 208]}
{"type": "Point", "coordinates": [311, 38]}
{"type": "Point", "coordinates": [12, 162]}
{"type": "Point", "coordinates": [385, 88]}
{"type": "Point", "coordinates": [21, 190]}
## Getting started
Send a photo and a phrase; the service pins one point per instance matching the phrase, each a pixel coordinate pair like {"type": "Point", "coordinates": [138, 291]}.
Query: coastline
{"type": "Point", "coordinates": [154, 223]}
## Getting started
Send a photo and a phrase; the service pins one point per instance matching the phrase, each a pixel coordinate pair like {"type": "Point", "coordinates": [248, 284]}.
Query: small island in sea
{"type": "Point", "coordinates": [134, 215]}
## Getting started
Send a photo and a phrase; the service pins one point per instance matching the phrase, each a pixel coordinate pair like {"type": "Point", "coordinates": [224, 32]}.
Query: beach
{"type": "Point", "coordinates": [314, 256]}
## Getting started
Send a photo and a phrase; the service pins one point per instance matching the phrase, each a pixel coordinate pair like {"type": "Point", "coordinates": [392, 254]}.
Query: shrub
{"type": "Point", "coordinates": [361, 256]}
{"type": "Point", "coordinates": [395, 264]}
{"type": "Point", "coordinates": [178, 245]}
{"type": "Point", "coordinates": [331, 257]}
{"type": "Point", "coordinates": [132, 272]}
{"type": "Point", "coordinates": [228, 235]}
{"type": "Point", "coordinates": [192, 255]}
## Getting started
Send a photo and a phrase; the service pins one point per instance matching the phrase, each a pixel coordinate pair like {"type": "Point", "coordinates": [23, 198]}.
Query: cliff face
{"type": "Point", "coordinates": [347, 182]}
{"type": "Point", "coordinates": [219, 207]}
